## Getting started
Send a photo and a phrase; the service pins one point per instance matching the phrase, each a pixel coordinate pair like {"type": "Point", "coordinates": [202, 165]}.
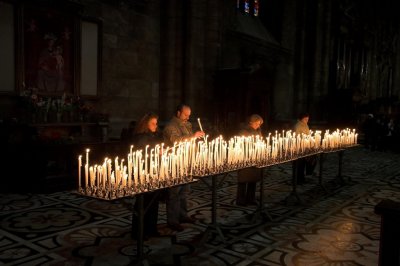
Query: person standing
{"type": "Point", "coordinates": [178, 129]}
{"type": "Point", "coordinates": [146, 133]}
{"type": "Point", "coordinates": [248, 177]}
{"type": "Point", "coordinates": [305, 165]}
{"type": "Point", "coordinates": [370, 128]}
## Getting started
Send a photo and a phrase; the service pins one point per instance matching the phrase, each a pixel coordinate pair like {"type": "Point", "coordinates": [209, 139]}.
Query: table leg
{"type": "Point", "coordinates": [321, 167]}
{"type": "Point", "coordinates": [261, 211]}
{"type": "Point", "coordinates": [213, 226]}
{"type": "Point", "coordinates": [140, 259]}
{"type": "Point", "coordinates": [294, 193]}
{"type": "Point", "coordinates": [340, 155]}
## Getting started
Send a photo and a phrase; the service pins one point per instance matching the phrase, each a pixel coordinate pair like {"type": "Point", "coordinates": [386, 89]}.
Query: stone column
{"type": "Point", "coordinates": [170, 57]}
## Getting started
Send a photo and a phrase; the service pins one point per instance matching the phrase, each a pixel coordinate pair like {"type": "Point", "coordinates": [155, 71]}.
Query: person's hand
{"type": "Point", "coordinates": [199, 134]}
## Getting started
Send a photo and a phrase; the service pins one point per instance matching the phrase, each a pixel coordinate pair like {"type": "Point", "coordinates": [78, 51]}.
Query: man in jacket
{"type": "Point", "coordinates": [178, 129]}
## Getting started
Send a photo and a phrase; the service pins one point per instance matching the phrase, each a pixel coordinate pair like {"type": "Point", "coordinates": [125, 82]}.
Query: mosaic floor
{"type": "Point", "coordinates": [336, 226]}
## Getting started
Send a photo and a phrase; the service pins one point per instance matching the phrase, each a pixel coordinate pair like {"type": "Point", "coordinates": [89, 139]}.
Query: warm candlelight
{"type": "Point", "coordinates": [199, 122]}
{"type": "Point", "coordinates": [79, 170]}
{"type": "Point", "coordinates": [148, 168]}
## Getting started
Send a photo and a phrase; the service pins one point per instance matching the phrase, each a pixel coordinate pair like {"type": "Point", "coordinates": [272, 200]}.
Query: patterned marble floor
{"type": "Point", "coordinates": [336, 226]}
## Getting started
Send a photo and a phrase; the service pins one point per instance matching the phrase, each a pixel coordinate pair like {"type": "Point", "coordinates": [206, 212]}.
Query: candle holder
{"type": "Point", "coordinates": [152, 185]}
{"type": "Point", "coordinates": [88, 191]}
{"type": "Point", "coordinates": [211, 158]}
{"type": "Point", "coordinates": [81, 190]}
{"type": "Point", "coordinates": [112, 193]}
{"type": "Point", "coordinates": [119, 192]}
{"type": "Point", "coordinates": [100, 192]}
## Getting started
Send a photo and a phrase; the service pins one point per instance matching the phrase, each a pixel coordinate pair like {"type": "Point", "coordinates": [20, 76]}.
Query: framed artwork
{"type": "Point", "coordinates": [90, 57]}
{"type": "Point", "coordinates": [49, 37]}
{"type": "Point", "coordinates": [7, 47]}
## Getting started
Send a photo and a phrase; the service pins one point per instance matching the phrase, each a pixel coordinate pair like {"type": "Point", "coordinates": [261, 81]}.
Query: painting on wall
{"type": "Point", "coordinates": [7, 48]}
{"type": "Point", "coordinates": [49, 50]}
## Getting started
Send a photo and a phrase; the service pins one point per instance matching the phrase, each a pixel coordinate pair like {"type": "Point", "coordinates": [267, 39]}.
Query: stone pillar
{"type": "Point", "coordinates": [189, 45]}
{"type": "Point", "coordinates": [201, 54]}
{"type": "Point", "coordinates": [284, 78]}
{"type": "Point", "coordinates": [171, 57]}
{"type": "Point", "coordinates": [320, 83]}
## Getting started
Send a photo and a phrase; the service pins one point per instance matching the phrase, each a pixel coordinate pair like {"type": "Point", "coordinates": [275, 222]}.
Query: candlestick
{"type": "Point", "coordinates": [149, 168]}
{"type": "Point", "coordinates": [198, 121]}
{"type": "Point", "coordinates": [86, 175]}
{"type": "Point", "coordinates": [79, 170]}
{"type": "Point", "coordinates": [87, 156]}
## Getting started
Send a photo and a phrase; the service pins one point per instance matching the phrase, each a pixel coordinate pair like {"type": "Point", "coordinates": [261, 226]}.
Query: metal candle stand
{"type": "Point", "coordinates": [213, 226]}
{"type": "Point", "coordinates": [114, 193]}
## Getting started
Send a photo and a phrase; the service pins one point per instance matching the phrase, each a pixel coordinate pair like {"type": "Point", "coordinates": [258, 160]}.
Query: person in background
{"type": "Point", "coordinates": [178, 129]}
{"type": "Point", "coordinates": [303, 166]}
{"type": "Point", "coordinates": [128, 132]}
{"type": "Point", "coordinates": [370, 129]}
{"type": "Point", "coordinates": [248, 177]}
{"type": "Point", "coordinates": [146, 133]}
{"type": "Point", "coordinates": [389, 135]}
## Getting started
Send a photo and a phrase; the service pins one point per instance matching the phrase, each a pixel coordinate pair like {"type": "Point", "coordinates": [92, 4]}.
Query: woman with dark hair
{"type": "Point", "coordinates": [146, 134]}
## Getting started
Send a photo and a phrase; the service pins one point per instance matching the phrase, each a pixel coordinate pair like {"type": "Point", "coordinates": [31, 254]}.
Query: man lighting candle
{"type": "Point", "coordinates": [179, 129]}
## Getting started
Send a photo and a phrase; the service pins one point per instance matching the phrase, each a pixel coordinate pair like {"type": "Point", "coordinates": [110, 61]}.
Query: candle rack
{"type": "Point", "coordinates": [157, 167]}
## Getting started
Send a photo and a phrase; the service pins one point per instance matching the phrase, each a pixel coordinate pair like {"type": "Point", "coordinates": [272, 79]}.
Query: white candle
{"type": "Point", "coordinates": [86, 175]}
{"type": "Point", "coordinates": [104, 168]}
{"type": "Point", "coordinates": [129, 169]}
{"type": "Point", "coordinates": [198, 121]}
{"type": "Point", "coordinates": [91, 172]}
{"type": "Point", "coordinates": [151, 171]}
{"type": "Point", "coordinates": [136, 175]}
{"type": "Point", "coordinates": [79, 170]}
{"type": "Point", "coordinates": [87, 156]}
{"type": "Point", "coordinates": [109, 173]}
{"type": "Point", "coordinates": [124, 177]}
{"type": "Point", "coordinates": [145, 159]}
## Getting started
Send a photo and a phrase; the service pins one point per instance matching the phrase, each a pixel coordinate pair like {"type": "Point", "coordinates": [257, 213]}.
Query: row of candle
{"type": "Point", "coordinates": [159, 167]}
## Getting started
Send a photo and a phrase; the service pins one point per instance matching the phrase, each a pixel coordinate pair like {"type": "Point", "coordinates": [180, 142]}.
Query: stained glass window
{"type": "Point", "coordinates": [255, 12]}
{"type": "Point", "coordinates": [247, 6]}
{"type": "Point", "coordinates": [250, 7]}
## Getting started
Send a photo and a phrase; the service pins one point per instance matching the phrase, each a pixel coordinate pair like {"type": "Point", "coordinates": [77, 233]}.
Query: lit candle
{"type": "Point", "coordinates": [87, 168]}
{"type": "Point", "coordinates": [129, 169]}
{"type": "Point", "coordinates": [136, 175]}
{"type": "Point", "coordinates": [142, 177]}
{"type": "Point", "coordinates": [91, 172]}
{"type": "Point", "coordinates": [109, 173]}
{"type": "Point", "coordinates": [145, 159]}
{"type": "Point", "coordinates": [198, 121]}
{"type": "Point", "coordinates": [104, 168]}
{"type": "Point", "coordinates": [86, 175]}
{"type": "Point", "coordinates": [124, 177]}
{"type": "Point", "coordinates": [116, 167]}
{"type": "Point", "coordinates": [87, 156]}
{"type": "Point", "coordinates": [151, 171]}
{"type": "Point", "coordinates": [79, 169]}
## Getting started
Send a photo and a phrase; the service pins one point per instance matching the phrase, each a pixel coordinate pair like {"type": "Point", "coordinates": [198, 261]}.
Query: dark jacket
{"type": "Point", "coordinates": [177, 130]}
{"type": "Point", "coordinates": [148, 138]}
{"type": "Point", "coordinates": [248, 131]}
